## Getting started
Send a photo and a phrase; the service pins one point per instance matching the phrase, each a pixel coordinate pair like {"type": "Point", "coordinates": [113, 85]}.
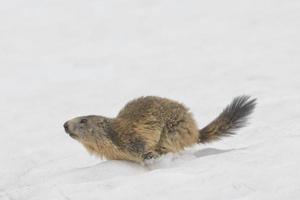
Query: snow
{"type": "Point", "coordinates": [61, 59]}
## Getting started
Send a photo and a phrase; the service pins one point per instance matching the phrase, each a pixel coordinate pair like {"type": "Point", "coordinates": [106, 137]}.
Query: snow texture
{"type": "Point", "coordinates": [61, 58]}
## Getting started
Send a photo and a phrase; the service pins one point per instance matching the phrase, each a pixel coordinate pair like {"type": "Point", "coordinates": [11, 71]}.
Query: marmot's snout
{"type": "Point", "coordinates": [66, 126]}
{"type": "Point", "coordinates": [68, 130]}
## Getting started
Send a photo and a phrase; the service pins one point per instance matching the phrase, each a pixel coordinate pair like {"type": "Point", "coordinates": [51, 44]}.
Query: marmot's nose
{"type": "Point", "coordinates": [66, 126]}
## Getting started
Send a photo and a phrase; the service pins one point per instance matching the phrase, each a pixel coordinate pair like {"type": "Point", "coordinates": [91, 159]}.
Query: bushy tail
{"type": "Point", "coordinates": [233, 117]}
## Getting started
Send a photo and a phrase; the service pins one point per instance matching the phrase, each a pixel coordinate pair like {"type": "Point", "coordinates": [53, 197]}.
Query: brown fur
{"type": "Point", "coordinates": [145, 128]}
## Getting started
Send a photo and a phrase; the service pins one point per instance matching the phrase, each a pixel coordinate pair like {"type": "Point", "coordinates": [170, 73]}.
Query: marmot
{"type": "Point", "coordinates": [148, 127]}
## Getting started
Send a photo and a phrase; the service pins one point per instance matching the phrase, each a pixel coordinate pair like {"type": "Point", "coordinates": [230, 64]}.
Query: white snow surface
{"type": "Point", "coordinates": [61, 58]}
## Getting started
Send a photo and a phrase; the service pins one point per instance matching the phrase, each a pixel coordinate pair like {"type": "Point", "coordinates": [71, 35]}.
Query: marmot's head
{"type": "Point", "coordinates": [96, 134]}
{"type": "Point", "coordinates": [86, 129]}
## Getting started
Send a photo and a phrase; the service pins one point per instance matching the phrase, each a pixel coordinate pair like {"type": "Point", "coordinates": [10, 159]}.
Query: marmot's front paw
{"type": "Point", "coordinates": [150, 155]}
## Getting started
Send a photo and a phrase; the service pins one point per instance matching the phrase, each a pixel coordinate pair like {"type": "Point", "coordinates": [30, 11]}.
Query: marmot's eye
{"type": "Point", "coordinates": [83, 121]}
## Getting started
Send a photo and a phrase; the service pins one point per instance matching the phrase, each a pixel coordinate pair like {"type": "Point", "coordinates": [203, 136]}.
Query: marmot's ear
{"type": "Point", "coordinates": [83, 121]}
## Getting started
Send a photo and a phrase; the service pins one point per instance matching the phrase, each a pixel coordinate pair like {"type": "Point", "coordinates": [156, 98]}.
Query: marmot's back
{"type": "Point", "coordinates": [152, 107]}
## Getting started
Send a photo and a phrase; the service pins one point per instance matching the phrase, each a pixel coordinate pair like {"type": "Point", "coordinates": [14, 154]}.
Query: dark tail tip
{"type": "Point", "coordinates": [233, 117]}
{"type": "Point", "coordinates": [238, 111]}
